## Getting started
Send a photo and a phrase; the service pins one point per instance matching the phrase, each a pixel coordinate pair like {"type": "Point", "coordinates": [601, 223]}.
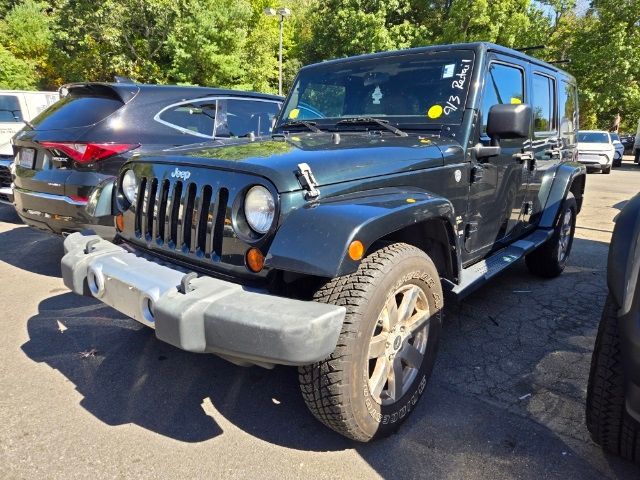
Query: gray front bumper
{"type": "Point", "coordinates": [242, 325]}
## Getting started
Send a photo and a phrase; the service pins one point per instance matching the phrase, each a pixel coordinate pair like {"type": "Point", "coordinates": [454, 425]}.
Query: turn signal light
{"type": "Point", "coordinates": [356, 250]}
{"type": "Point", "coordinates": [120, 222]}
{"type": "Point", "coordinates": [255, 260]}
{"type": "Point", "coordinates": [89, 152]}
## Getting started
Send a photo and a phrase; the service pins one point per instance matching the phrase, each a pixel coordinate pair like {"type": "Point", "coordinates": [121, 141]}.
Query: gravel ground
{"type": "Point", "coordinates": [86, 392]}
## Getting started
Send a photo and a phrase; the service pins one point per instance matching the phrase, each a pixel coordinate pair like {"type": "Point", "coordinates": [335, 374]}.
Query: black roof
{"type": "Point", "coordinates": [476, 46]}
{"type": "Point", "coordinates": [125, 89]}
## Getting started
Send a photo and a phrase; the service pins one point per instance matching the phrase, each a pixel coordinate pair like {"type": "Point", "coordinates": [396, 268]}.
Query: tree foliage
{"type": "Point", "coordinates": [231, 43]}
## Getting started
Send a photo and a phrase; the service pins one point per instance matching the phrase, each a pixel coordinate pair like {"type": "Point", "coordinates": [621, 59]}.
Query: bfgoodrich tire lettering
{"type": "Point", "coordinates": [337, 390]}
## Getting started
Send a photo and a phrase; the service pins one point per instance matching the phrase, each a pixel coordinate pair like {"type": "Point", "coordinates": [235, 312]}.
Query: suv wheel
{"type": "Point", "coordinates": [550, 259]}
{"type": "Point", "coordinates": [386, 351]}
{"type": "Point", "coordinates": [606, 170]}
{"type": "Point", "coordinates": [607, 419]}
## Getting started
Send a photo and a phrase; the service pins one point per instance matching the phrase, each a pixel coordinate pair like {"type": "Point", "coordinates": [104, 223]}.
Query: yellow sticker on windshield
{"type": "Point", "coordinates": [435, 111]}
{"type": "Point", "coordinates": [293, 114]}
{"type": "Point", "coordinates": [515, 101]}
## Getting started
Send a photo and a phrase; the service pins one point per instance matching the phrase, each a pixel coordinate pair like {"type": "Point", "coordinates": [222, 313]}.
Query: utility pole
{"type": "Point", "coordinates": [282, 13]}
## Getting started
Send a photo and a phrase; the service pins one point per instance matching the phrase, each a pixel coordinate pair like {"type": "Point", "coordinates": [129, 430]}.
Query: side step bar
{"type": "Point", "coordinates": [476, 275]}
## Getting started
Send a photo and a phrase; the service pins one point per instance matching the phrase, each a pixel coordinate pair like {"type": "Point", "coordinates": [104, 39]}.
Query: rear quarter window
{"type": "Point", "coordinates": [76, 111]}
{"type": "Point", "coordinates": [10, 109]}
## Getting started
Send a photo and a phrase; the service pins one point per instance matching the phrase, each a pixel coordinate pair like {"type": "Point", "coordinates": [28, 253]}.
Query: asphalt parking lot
{"type": "Point", "coordinates": [86, 392]}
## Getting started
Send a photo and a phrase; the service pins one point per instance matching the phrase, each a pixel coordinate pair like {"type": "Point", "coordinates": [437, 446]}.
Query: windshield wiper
{"type": "Point", "coordinates": [302, 123]}
{"type": "Point", "coordinates": [371, 120]}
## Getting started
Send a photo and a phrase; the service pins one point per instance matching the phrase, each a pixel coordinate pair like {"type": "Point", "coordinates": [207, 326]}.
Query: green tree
{"type": "Point", "coordinates": [16, 74]}
{"type": "Point", "coordinates": [25, 37]}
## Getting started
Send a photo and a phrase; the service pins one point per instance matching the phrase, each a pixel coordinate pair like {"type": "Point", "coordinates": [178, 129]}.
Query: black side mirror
{"type": "Point", "coordinates": [509, 121]}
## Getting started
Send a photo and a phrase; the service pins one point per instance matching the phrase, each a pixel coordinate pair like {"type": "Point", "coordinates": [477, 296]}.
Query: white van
{"type": "Point", "coordinates": [16, 108]}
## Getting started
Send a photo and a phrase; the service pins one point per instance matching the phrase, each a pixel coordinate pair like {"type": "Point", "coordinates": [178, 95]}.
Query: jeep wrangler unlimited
{"type": "Point", "coordinates": [389, 180]}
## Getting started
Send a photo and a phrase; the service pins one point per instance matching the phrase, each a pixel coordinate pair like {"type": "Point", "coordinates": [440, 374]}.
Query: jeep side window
{"type": "Point", "coordinates": [569, 112]}
{"type": "Point", "coordinates": [504, 84]}
{"type": "Point", "coordinates": [543, 103]}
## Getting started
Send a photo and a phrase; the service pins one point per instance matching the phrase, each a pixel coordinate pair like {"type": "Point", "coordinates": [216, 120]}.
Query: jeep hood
{"type": "Point", "coordinates": [332, 159]}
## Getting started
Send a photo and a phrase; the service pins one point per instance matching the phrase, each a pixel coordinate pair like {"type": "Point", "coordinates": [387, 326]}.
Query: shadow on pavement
{"type": "Point", "coordinates": [126, 376]}
{"type": "Point", "coordinates": [8, 214]}
{"type": "Point", "coordinates": [31, 250]}
{"type": "Point", "coordinates": [509, 380]}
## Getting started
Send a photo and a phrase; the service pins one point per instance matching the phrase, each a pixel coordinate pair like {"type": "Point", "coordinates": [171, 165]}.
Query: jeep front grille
{"type": "Point", "coordinates": [182, 216]}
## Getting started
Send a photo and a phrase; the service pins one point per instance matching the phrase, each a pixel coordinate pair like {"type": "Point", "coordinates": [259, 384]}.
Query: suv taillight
{"type": "Point", "coordinates": [89, 152]}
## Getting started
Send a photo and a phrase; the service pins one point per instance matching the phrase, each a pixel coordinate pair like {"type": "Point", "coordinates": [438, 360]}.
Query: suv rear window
{"type": "Point", "coordinates": [76, 111]}
{"type": "Point", "coordinates": [10, 109]}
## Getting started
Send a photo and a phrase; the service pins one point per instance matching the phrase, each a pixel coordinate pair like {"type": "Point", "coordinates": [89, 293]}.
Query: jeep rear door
{"type": "Point", "coordinates": [546, 145]}
{"type": "Point", "coordinates": [498, 183]}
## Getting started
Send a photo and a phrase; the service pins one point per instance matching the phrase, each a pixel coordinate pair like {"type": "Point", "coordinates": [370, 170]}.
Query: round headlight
{"type": "Point", "coordinates": [130, 186]}
{"type": "Point", "coordinates": [259, 209]}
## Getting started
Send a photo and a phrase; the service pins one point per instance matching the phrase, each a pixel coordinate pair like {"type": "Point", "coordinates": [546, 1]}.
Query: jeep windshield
{"type": "Point", "coordinates": [413, 90]}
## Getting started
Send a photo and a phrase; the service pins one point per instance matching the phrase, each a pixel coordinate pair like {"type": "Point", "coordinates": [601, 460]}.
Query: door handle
{"type": "Point", "coordinates": [526, 157]}
{"type": "Point", "coordinates": [523, 157]}
{"type": "Point", "coordinates": [553, 153]}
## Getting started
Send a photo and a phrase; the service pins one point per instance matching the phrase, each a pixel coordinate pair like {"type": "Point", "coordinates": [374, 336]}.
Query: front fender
{"type": "Point", "coordinates": [554, 189]}
{"type": "Point", "coordinates": [624, 255]}
{"type": "Point", "coordinates": [314, 239]}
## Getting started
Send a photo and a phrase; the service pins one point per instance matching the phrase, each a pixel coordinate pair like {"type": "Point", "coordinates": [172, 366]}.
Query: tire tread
{"type": "Point", "coordinates": [607, 419]}
{"type": "Point", "coordinates": [325, 385]}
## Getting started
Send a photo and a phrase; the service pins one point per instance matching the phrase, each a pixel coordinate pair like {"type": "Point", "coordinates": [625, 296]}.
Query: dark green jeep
{"type": "Point", "coordinates": [390, 182]}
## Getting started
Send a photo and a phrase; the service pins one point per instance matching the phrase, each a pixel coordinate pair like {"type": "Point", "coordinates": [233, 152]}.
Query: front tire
{"type": "Point", "coordinates": [550, 259]}
{"type": "Point", "coordinates": [386, 350]}
{"type": "Point", "coordinates": [607, 419]}
{"type": "Point", "coordinates": [606, 170]}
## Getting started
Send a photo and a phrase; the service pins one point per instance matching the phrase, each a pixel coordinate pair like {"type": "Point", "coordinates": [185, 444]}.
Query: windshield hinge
{"type": "Point", "coordinates": [307, 181]}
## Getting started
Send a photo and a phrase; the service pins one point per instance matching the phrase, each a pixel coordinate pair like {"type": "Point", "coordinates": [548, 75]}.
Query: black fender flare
{"type": "Point", "coordinates": [555, 187]}
{"type": "Point", "coordinates": [624, 255]}
{"type": "Point", "coordinates": [314, 239]}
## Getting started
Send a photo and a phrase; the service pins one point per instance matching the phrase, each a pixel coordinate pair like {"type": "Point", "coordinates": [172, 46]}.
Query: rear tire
{"type": "Point", "coordinates": [606, 170]}
{"type": "Point", "coordinates": [607, 419]}
{"type": "Point", "coordinates": [378, 371]}
{"type": "Point", "coordinates": [550, 259]}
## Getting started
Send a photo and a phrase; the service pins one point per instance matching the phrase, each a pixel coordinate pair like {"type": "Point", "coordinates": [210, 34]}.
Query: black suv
{"type": "Point", "coordinates": [390, 180]}
{"type": "Point", "coordinates": [66, 153]}
{"type": "Point", "coordinates": [613, 393]}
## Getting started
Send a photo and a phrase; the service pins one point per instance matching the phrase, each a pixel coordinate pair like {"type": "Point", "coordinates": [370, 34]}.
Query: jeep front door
{"type": "Point", "coordinates": [499, 183]}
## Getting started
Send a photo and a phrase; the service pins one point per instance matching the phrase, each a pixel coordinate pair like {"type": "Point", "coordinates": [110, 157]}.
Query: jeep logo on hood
{"type": "Point", "coordinates": [181, 174]}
